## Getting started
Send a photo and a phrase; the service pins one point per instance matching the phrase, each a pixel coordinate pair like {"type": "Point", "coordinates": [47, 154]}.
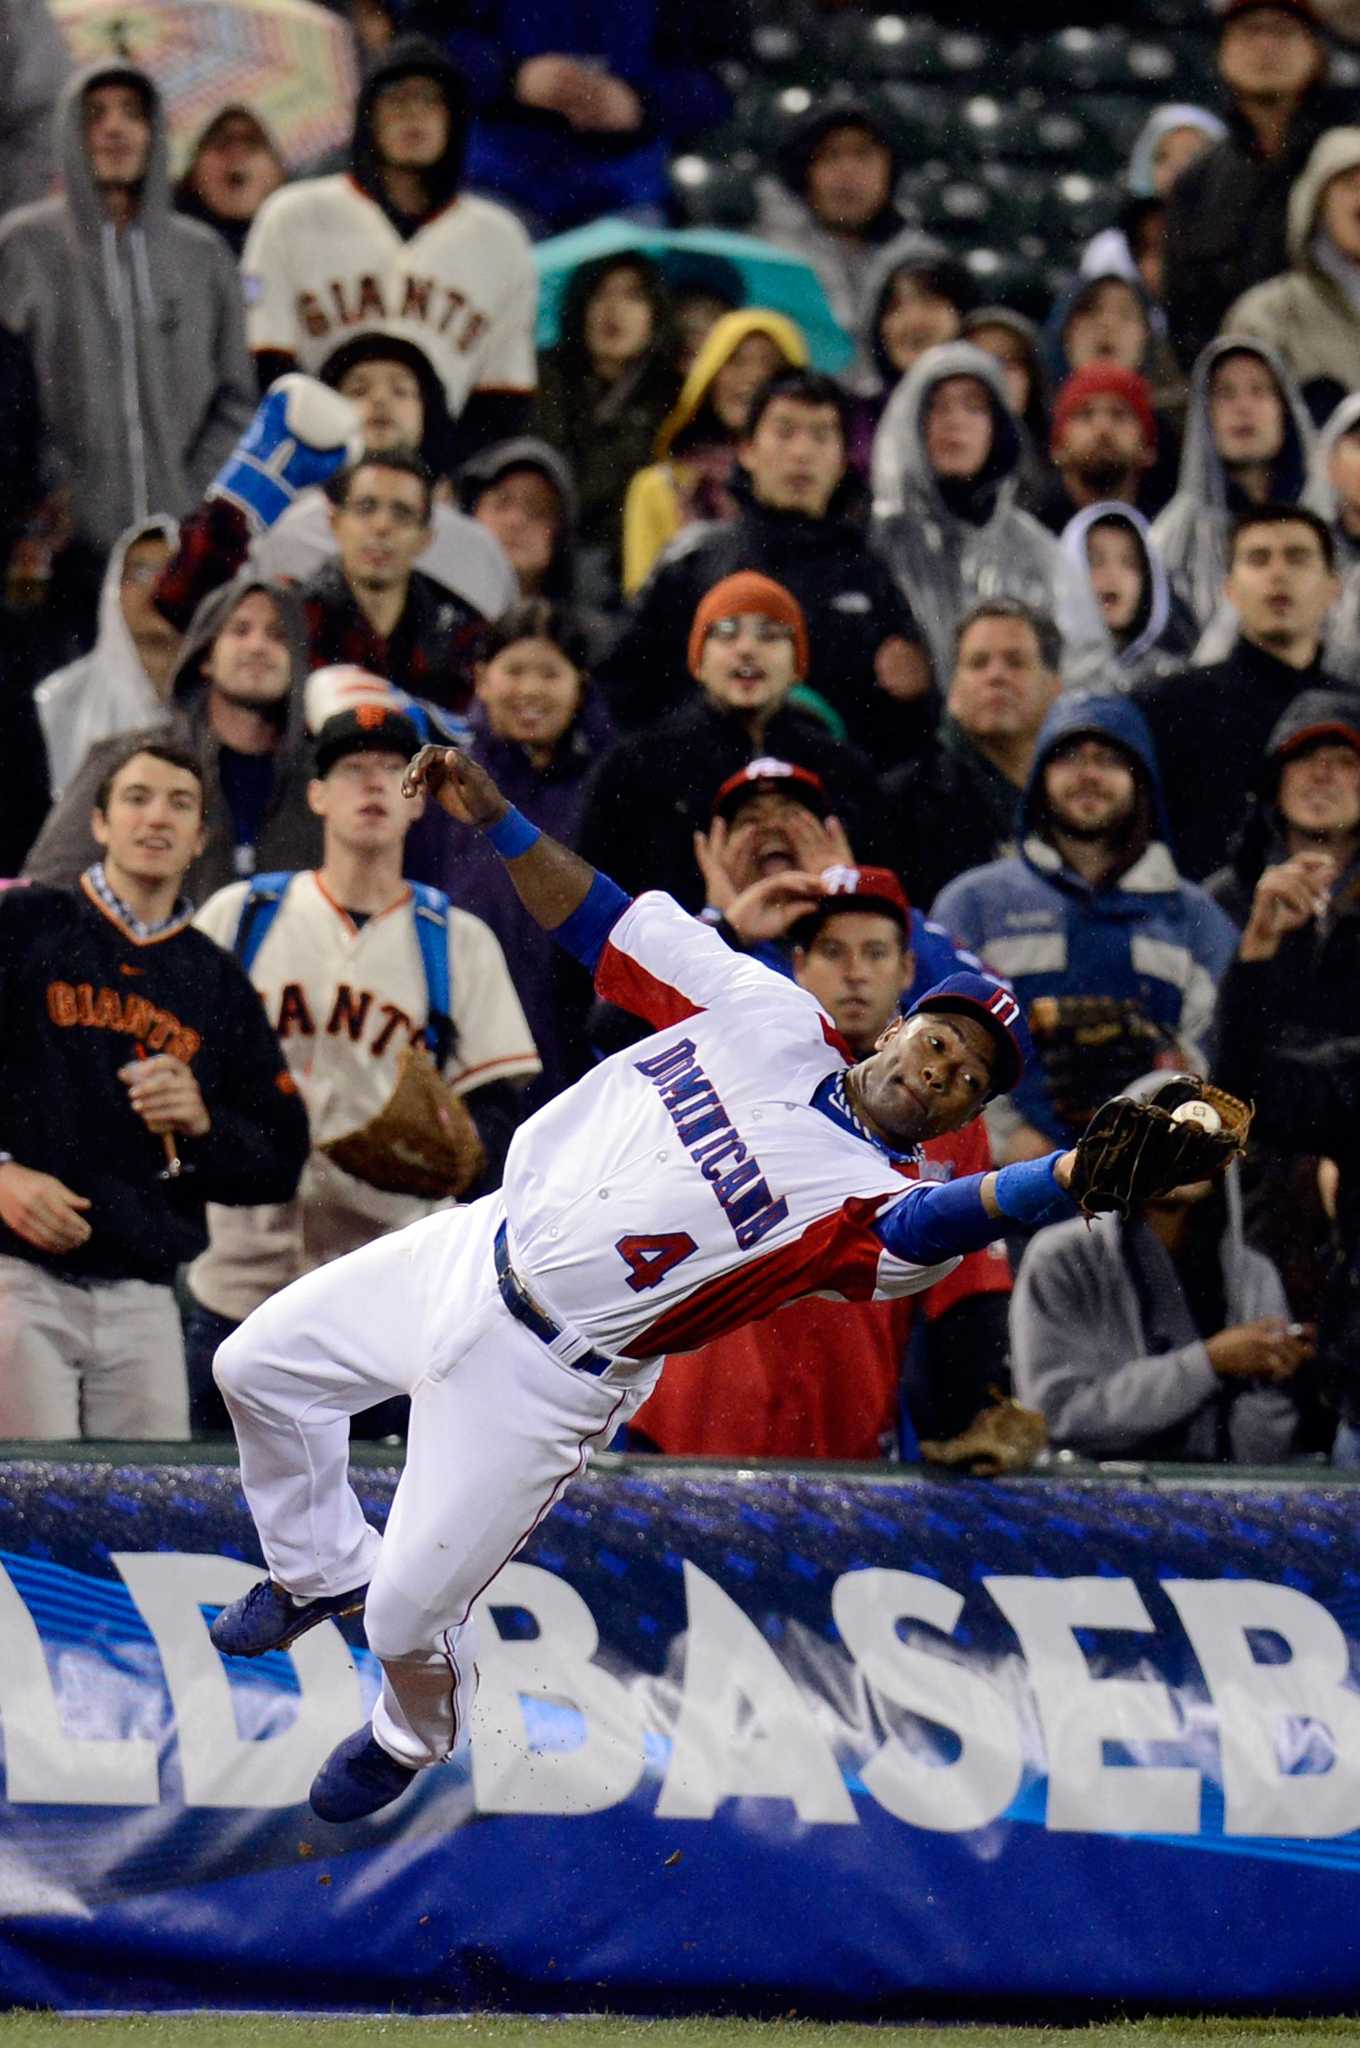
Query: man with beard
{"type": "Point", "coordinates": [1114, 958]}
{"type": "Point", "coordinates": [1104, 444]}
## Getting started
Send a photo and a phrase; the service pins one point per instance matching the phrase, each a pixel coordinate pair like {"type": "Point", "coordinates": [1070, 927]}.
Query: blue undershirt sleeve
{"type": "Point", "coordinates": [583, 934]}
{"type": "Point", "coordinates": [938, 1220]}
{"type": "Point", "coordinates": [944, 1219]}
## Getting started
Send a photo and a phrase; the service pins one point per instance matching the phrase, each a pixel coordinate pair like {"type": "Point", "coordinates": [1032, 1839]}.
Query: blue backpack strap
{"type": "Point", "coordinates": [432, 935]}
{"type": "Point", "coordinates": [261, 907]}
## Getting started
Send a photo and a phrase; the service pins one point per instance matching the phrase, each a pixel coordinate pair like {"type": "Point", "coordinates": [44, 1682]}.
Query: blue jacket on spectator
{"type": "Point", "coordinates": [554, 174]}
{"type": "Point", "coordinates": [1146, 937]}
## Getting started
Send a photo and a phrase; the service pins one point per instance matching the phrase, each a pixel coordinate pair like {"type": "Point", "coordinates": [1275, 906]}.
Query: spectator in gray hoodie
{"type": "Point", "coordinates": [1248, 439]}
{"type": "Point", "coordinates": [132, 315]}
{"type": "Point", "coordinates": [1310, 313]}
{"type": "Point", "coordinates": [1334, 494]}
{"type": "Point", "coordinates": [237, 700]}
{"type": "Point", "coordinates": [1162, 1337]}
{"type": "Point", "coordinates": [123, 683]}
{"type": "Point", "coordinates": [36, 66]}
{"type": "Point", "coordinates": [945, 464]}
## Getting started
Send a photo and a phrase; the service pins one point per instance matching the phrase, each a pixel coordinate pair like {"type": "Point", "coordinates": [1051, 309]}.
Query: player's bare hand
{"type": "Point", "coordinates": [1288, 896]}
{"type": "Point", "coordinates": [710, 855]}
{"type": "Point", "coordinates": [770, 907]}
{"type": "Point", "coordinates": [165, 1095]}
{"type": "Point", "coordinates": [817, 842]}
{"type": "Point", "coordinates": [901, 670]}
{"type": "Point", "coordinates": [41, 1209]}
{"type": "Point", "coordinates": [1268, 1350]}
{"type": "Point", "coordinates": [460, 785]}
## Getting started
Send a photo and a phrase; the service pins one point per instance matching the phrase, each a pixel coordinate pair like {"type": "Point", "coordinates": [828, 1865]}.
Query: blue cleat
{"type": "Point", "coordinates": [357, 1778]}
{"type": "Point", "coordinates": [267, 1618]}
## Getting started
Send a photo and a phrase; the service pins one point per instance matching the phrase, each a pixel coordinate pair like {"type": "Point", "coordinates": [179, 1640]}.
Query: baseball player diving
{"type": "Point", "coordinates": [736, 1160]}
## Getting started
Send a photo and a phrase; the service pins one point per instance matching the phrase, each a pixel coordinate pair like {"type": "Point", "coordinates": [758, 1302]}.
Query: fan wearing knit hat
{"type": "Point", "coordinates": [747, 648]}
{"type": "Point", "coordinates": [1103, 442]}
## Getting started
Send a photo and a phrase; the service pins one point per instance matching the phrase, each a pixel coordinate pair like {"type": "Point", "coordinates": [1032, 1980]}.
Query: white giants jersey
{"type": "Point", "coordinates": [690, 1185]}
{"type": "Point", "coordinates": [346, 1000]}
{"type": "Point", "coordinates": [323, 262]}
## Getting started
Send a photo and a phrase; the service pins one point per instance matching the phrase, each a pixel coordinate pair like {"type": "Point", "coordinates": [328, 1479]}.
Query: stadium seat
{"type": "Point", "coordinates": [954, 205]}
{"type": "Point", "coordinates": [1078, 60]}
{"type": "Point", "coordinates": [1080, 206]}
{"type": "Point", "coordinates": [1024, 134]}
{"type": "Point", "coordinates": [879, 47]}
{"type": "Point", "coordinates": [1023, 200]}
{"type": "Point", "coordinates": [713, 191]}
{"type": "Point", "coordinates": [784, 51]}
{"type": "Point", "coordinates": [1007, 278]}
{"type": "Point", "coordinates": [924, 119]}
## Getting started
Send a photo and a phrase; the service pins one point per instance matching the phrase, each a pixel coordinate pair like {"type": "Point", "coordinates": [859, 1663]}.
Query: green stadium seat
{"type": "Point", "coordinates": [712, 191]}
{"type": "Point", "coordinates": [876, 47]}
{"type": "Point", "coordinates": [1078, 60]}
{"type": "Point", "coordinates": [1008, 278]}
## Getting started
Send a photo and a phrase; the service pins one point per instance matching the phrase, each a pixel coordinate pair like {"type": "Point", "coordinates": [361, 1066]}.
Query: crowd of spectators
{"type": "Point", "coordinates": [1025, 631]}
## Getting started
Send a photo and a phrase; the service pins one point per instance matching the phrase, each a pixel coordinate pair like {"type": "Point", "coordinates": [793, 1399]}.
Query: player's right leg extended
{"type": "Point", "coordinates": [337, 1341]}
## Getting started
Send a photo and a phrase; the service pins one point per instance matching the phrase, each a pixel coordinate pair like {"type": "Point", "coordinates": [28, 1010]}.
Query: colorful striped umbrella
{"type": "Point", "coordinates": [291, 61]}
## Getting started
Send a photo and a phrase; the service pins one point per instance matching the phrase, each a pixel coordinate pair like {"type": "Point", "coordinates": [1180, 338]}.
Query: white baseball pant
{"type": "Point", "coordinates": [498, 1429]}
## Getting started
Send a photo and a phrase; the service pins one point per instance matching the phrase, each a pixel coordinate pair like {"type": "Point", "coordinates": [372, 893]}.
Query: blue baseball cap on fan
{"type": "Point", "coordinates": [996, 1009]}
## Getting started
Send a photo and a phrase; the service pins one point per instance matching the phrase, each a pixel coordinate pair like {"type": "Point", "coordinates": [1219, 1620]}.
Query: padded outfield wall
{"type": "Point", "coordinates": [854, 1744]}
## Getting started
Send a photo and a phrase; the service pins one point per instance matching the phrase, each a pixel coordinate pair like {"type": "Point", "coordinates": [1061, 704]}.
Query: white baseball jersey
{"type": "Point", "coordinates": [691, 1184]}
{"type": "Point", "coordinates": [345, 999]}
{"type": "Point", "coordinates": [323, 262]}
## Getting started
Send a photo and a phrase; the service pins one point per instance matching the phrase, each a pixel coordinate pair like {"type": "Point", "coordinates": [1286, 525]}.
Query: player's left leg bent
{"type": "Point", "coordinates": [493, 1443]}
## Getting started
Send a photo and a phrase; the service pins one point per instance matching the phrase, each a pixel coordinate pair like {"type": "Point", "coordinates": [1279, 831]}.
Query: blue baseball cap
{"type": "Point", "coordinates": [996, 1008]}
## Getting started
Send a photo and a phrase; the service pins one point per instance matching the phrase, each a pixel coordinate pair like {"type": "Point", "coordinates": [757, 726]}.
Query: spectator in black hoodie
{"type": "Point", "coordinates": [1226, 212]}
{"type": "Point", "coordinates": [142, 1080]}
{"type": "Point", "coordinates": [1210, 725]}
{"type": "Point", "coordinates": [384, 245]}
{"type": "Point", "coordinates": [603, 394]}
{"type": "Point", "coordinates": [1306, 805]}
{"type": "Point", "coordinates": [832, 202]}
{"type": "Point", "coordinates": [747, 646]}
{"type": "Point", "coordinates": [796, 523]}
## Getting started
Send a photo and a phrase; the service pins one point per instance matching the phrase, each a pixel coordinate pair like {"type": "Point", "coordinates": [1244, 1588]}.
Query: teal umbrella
{"type": "Point", "coordinates": [769, 276]}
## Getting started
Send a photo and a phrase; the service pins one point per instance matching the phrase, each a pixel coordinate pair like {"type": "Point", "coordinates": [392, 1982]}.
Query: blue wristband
{"type": "Point", "coordinates": [511, 835]}
{"type": "Point", "coordinates": [1028, 1193]}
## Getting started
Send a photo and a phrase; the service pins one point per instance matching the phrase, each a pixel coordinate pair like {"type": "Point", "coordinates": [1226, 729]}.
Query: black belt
{"type": "Point", "coordinates": [527, 1311]}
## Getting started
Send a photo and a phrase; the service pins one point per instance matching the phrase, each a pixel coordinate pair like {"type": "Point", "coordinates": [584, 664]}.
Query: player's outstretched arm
{"type": "Point", "coordinates": [561, 892]}
{"type": "Point", "coordinates": [938, 1220]}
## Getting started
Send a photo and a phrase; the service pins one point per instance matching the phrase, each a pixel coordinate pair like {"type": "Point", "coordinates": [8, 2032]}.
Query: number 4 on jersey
{"type": "Point", "coordinates": [649, 1259]}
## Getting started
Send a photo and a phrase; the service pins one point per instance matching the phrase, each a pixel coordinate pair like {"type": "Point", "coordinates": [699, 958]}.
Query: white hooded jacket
{"type": "Point", "coordinates": [1192, 531]}
{"type": "Point", "coordinates": [106, 691]}
{"type": "Point", "coordinates": [947, 559]}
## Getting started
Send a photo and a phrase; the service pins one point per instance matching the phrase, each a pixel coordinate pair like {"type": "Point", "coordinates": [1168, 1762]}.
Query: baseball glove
{"type": "Point", "coordinates": [1090, 1048]}
{"type": "Point", "coordinates": [1003, 1438]}
{"type": "Point", "coordinates": [423, 1140]}
{"type": "Point", "coordinates": [1131, 1151]}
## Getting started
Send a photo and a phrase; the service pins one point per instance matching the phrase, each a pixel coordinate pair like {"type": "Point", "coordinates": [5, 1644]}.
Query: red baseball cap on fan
{"type": "Point", "coordinates": [766, 774]}
{"type": "Point", "coordinates": [876, 890]}
{"type": "Point", "coordinates": [1105, 380]}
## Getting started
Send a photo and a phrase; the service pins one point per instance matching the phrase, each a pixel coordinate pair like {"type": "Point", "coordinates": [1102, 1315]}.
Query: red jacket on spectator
{"type": "Point", "coordinates": [818, 1379]}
